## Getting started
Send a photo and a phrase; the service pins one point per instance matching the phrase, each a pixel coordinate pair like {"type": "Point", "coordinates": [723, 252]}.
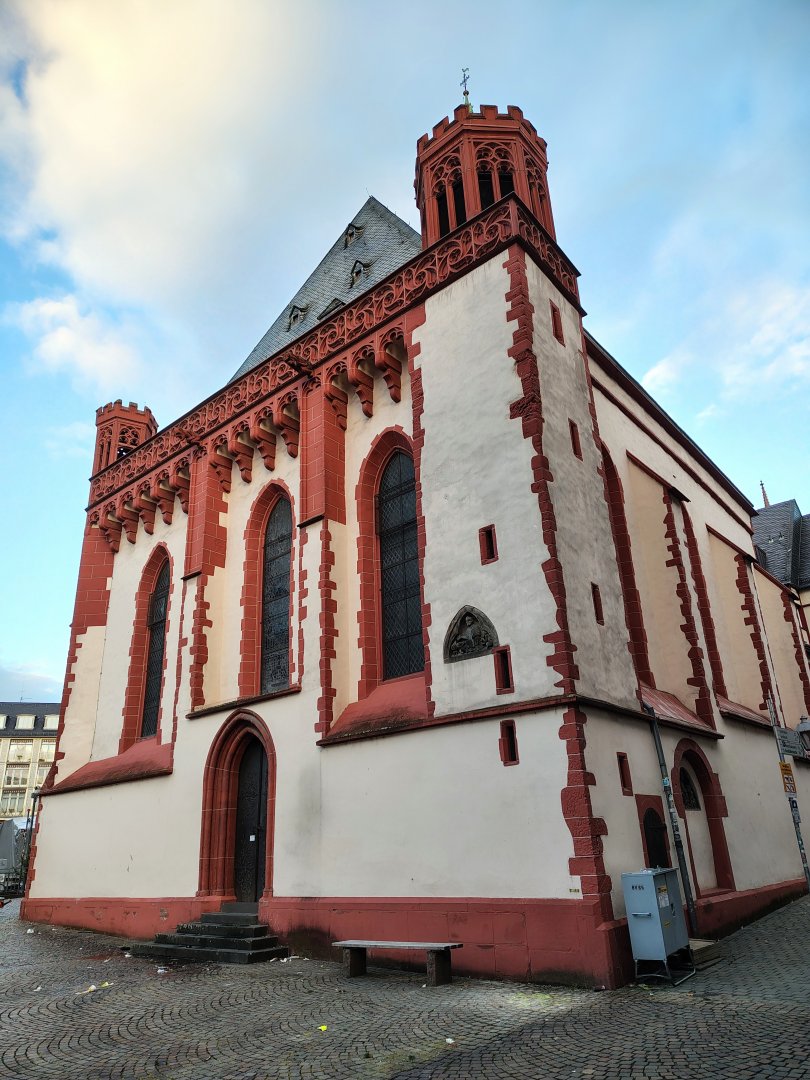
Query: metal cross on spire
{"type": "Point", "coordinates": [465, 78]}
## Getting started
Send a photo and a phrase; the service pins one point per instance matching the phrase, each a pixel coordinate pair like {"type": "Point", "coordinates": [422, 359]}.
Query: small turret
{"type": "Point", "coordinates": [119, 429]}
{"type": "Point", "coordinates": [472, 161]}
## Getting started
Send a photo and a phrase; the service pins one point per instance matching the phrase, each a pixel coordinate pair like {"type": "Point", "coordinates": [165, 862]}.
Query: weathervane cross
{"type": "Point", "coordinates": [465, 78]}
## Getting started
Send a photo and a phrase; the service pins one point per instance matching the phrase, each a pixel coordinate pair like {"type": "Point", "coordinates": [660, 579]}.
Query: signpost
{"type": "Point", "coordinates": [783, 741]}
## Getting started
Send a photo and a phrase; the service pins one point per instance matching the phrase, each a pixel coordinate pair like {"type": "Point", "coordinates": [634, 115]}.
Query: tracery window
{"type": "Point", "coordinates": [401, 612]}
{"type": "Point", "coordinates": [688, 792]}
{"type": "Point", "coordinates": [156, 625]}
{"type": "Point", "coordinates": [275, 654]}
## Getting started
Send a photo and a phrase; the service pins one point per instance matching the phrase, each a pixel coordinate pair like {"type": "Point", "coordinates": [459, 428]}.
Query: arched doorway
{"type": "Point", "coordinates": [655, 839]}
{"type": "Point", "coordinates": [236, 842]}
{"type": "Point", "coordinates": [250, 840]}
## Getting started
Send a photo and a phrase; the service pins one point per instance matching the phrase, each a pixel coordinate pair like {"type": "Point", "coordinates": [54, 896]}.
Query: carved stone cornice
{"type": "Point", "coordinates": [507, 222]}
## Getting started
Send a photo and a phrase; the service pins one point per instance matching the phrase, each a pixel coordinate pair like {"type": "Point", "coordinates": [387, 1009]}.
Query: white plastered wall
{"type": "Point", "coordinates": [476, 471]}
{"type": "Point", "coordinates": [224, 588]}
{"type": "Point", "coordinates": [128, 568]}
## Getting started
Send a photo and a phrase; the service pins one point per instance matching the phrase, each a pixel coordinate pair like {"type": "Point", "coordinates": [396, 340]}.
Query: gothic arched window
{"type": "Point", "coordinates": [400, 604]}
{"type": "Point", "coordinates": [691, 801]}
{"type": "Point", "coordinates": [156, 626]}
{"type": "Point", "coordinates": [275, 663]}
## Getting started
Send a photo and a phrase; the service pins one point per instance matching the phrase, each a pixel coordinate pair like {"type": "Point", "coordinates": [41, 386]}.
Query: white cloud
{"type": "Point", "coordinates": [664, 375]}
{"type": "Point", "coordinates": [29, 682]}
{"type": "Point", "coordinates": [71, 440]}
{"type": "Point", "coordinates": [149, 138]}
{"type": "Point", "coordinates": [83, 345]}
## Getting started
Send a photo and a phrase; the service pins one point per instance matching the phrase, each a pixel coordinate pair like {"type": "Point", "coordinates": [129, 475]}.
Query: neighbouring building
{"type": "Point", "coordinates": [372, 635]}
{"type": "Point", "coordinates": [27, 746]}
{"type": "Point", "coordinates": [782, 545]}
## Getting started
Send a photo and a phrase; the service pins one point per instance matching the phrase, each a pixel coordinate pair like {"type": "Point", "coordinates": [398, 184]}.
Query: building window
{"type": "Point", "coordinates": [556, 323]}
{"type": "Point", "coordinates": [504, 683]}
{"type": "Point", "coordinates": [486, 191]}
{"type": "Point", "coordinates": [401, 610]}
{"type": "Point", "coordinates": [275, 668]}
{"type": "Point", "coordinates": [688, 792]}
{"type": "Point", "coordinates": [596, 596]}
{"type": "Point", "coordinates": [576, 445]}
{"type": "Point", "coordinates": [488, 544]}
{"type": "Point", "coordinates": [156, 625]}
{"type": "Point", "coordinates": [624, 774]}
{"type": "Point", "coordinates": [507, 744]}
{"type": "Point", "coordinates": [444, 214]}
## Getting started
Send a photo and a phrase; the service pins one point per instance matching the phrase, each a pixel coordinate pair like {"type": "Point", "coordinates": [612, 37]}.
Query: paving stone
{"type": "Point", "coordinates": [747, 1018]}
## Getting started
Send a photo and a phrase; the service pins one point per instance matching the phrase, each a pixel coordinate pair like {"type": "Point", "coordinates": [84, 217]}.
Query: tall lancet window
{"type": "Point", "coordinates": [156, 623]}
{"type": "Point", "coordinates": [401, 609]}
{"type": "Point", "coordinates": [276, 599]}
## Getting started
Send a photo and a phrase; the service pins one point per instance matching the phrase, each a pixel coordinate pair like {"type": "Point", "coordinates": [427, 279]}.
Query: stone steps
{"type": "Point", "coordinates": [231, 936]}
{"type": "Point", "coordinates": [705, 953]}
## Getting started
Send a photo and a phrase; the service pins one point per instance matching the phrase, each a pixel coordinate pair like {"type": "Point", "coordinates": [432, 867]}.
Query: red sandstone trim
{"type": "Point", "coordinates": [139, 648]}
{"type": "Point", "coordinates": [220, 789]}
{"type": "Point", "coordinates": [798, 651]}
{"type": "Point", "coordinates": [703, 698]}
{"type": "Point", "coordinates": [633, 610]}
{"type": "Point", "coordinates": [242, 703]}
{"type": "Point", "coordinates": [704, 607]}
{"type": "Point", "coordinates": [250, 644]}
{"type": "Point", "coordinates": [415, 320]}
{"type": "Point", "coordinates": [528, 409]}
{"type": "Point", "coordinates": [714, 806]}
{"type": "Point", "coordinates": [327, 587]}
{"type": "Point", "coordinates": [143, 760]}
{"type": "Point", "coordinates": [751, 620]}
{"type": "Point", "coordinates": [586, 830]}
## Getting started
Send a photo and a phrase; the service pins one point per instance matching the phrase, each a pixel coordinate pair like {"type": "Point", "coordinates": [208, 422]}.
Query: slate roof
{"type": "Point", "coordinates": [29, 708]}
{"type": "Point", "coordinates": [782, 539]}
{"type": "Point", "coordinates": [382, 243]}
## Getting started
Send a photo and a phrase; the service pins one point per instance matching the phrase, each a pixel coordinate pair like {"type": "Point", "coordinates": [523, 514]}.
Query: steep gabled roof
{"type": "Point", "coordinates": [777, 537]}
{"type": "Point", "coordinates": [375, 243]}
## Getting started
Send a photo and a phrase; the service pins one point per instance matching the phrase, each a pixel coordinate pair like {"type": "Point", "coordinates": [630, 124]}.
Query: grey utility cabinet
{"type": "Point", "coordinates": [655, 920]}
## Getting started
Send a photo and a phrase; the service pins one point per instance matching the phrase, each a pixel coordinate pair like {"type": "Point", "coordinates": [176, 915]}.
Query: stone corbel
{"type": "Point", "coordinates": [389, 363]}
{"type": "Point", "coordinates": [145, 506]}
{"type": "Point", "coordinates": [110, 527]}
{"type": "Point", "coordinates": [288, 424]}
{"type": "Point", "coordinates": [162, 494]}
{"type": "Point", "coordinates": [264, 438]}
{"type": "Point", "coordinates": [337, 398]}
{"type": "Point", "coordinates": [221, 463]}
{"type": "Point", "coordinates": [128, 516]}
{"type": "Point", "coordinates": [361, 380]}
{"type": "Point", "coordinates": [179, 481]}
{"type": "Point", "coordinates": [241, 452]}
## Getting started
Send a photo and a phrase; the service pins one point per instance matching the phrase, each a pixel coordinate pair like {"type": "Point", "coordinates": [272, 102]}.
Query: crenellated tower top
{"type": "Point", "coordinates": [471, 161]}
{"type": "Point", "coordinates": [119, 429]}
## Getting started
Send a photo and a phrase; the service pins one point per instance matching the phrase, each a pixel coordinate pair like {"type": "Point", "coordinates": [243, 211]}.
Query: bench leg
{"type": "Point", "coordinates": [438, 967]}
{"type": "Point", "coordinates": [354, 962]}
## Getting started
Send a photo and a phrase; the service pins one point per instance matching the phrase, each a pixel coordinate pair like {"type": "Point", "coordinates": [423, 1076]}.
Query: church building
{"type": "Point", "coordinates": [372, 637]}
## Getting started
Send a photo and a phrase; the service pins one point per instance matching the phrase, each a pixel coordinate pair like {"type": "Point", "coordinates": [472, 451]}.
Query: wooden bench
{"type": "Point", "coordinates": [438, 956]}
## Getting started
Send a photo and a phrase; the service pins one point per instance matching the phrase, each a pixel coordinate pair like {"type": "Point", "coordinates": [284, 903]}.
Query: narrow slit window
{"type": "Point", "coordinates": [597, 604]}
{"type": "Point", "coordinates": [691, 800]}
{"type": "Point", "coordinates": [576, 445]}
{"type": "Point", "coordinates": [507, 744]}
{"type": "Point", "coordinates": [156, 623]}
{"type": "Point", "coordinates": [458, 203]}
{"type": "Point", "coordinates": [504, 684]}
{"type": "Point", "coordinates": [489, 544]}
{"type": "Point", "coordinates": [486, 191]}
{"type": "Point", "coordinates": [625, 779]}
{"type": "Point", "coordinates": [444, 217]}
{"type": "Point", "coordinates": [556, 323]}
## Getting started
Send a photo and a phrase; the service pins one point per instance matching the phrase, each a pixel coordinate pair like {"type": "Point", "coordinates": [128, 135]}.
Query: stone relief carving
{"type": "Point", "coordinates": [470, 634]}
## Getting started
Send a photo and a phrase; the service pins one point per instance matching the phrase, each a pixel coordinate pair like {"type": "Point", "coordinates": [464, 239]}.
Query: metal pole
{"type": "Point", "coordinates": [676, 831]}
{"type": "Point", "coordinates": [792, 801]}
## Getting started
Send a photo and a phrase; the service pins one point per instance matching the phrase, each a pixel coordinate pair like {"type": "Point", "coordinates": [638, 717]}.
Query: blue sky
{"type": "Point", "coordinates": [171, 172]}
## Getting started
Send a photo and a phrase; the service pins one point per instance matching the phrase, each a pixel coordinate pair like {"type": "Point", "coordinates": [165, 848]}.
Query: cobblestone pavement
{"type": "Point", "coordinates": [748, 1017]}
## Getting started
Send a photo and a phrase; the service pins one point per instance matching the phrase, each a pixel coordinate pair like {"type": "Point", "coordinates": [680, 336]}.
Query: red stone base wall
{"type": "Point", "coordinates": [547, 941]}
